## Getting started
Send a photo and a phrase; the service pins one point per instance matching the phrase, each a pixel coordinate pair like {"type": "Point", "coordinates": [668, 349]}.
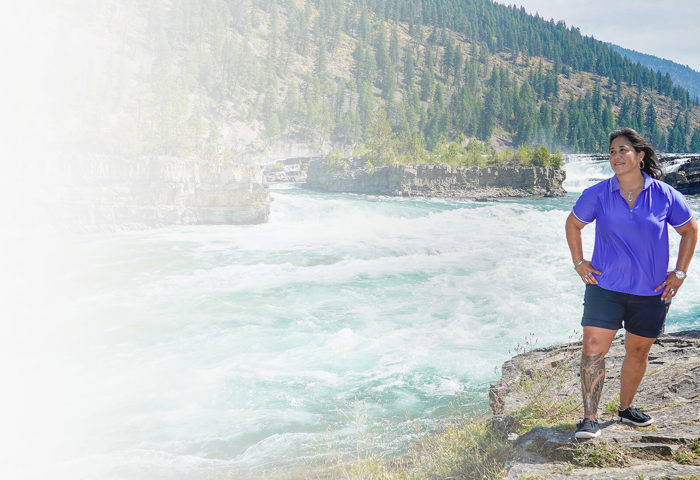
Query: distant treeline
{"type": "Point", "coordinates": [381, 148]}
{"type": "Point", "coordinates": [682, 75]}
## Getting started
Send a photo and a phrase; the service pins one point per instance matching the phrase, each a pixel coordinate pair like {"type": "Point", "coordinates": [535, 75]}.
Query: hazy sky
{"type": "Point", "coordinates": [667, 28]}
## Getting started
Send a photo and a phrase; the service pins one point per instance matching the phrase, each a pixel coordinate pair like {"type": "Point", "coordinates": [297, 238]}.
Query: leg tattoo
{"type": "Point", "coordinates": [592, 379]}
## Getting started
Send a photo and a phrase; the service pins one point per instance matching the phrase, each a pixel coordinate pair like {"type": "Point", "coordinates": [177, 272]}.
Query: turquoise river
{"type": "Point", "coordinates": [258, 351]}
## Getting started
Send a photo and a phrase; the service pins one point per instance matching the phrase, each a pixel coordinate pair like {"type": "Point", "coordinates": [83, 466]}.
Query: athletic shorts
{"type": "Point", "coordinates": [640, 315]}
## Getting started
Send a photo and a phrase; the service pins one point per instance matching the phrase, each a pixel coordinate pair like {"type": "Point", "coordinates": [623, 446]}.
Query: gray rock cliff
{"type": "Point", "coordinates": [109, 192]}
{"type": "Point", "coordinates": [435, 180]}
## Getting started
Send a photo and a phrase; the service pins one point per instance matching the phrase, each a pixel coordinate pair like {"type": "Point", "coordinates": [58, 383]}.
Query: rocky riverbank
{"type": "Point", "coordinates": [105, 193]}
{"type": "Point", "coordinates": [670, 392]}
{"type": "Point", "coordinates": [686, 179]}
{"type": "Point", "coordinates": [435, 180]}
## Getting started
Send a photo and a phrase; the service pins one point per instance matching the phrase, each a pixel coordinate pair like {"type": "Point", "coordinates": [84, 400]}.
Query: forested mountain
{"type": "Point", "coordinates": [225, 77]}
{"type": "Point", "coordinates": [682, 75]}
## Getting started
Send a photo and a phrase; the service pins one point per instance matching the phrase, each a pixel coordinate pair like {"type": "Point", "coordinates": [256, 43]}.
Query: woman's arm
{"type": "Point", "coordinates": [573, 238]}
{"type": "Point", "coordinates": [689, 237]}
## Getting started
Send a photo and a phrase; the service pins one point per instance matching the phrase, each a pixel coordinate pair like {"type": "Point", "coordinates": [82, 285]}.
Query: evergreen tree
{"type": "Point", "coordinates": [695, 141]}
{"type": "Point", "coordinates": [676, 142]}
{"type": "Point", "coordinates": [561, 136]}
{"type": "Point", "coordinates": [457, 63]}
{"type": "Point", "coordinates": [365, 105]}
{"type": "Point", "coordinates": [638, 118]}
{"type": "Point", "coordinates": [389, 82]}
{"type": "Point", "coordinates": [409, 68]}
{"type": "Point", "coordinates": [394, 46]}
{"type": "Point", "coordinates": [427, 84]}
{"type": "Point", "coordinates": [380, 48]}
{"type": "Point", "coordinates": [487, 119]}
{"type": "Point", "coordinates": [650, 121]}
{"type": "Point", "coordinates": [526, 114]}
{"type": "Point", "coordinates": [596, 100]}
{"type": "Point", "coordinates": [607, 119]}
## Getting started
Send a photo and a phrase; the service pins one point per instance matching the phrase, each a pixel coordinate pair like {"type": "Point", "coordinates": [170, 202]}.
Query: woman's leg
{"type": "Point", "coordinates": [596, 343]}
{"type": "Point", "coordinates": [633, 366]}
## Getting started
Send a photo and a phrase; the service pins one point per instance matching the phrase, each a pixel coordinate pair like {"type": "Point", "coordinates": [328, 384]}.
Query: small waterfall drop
{"type": "Point", "coordinates": [582, 171]}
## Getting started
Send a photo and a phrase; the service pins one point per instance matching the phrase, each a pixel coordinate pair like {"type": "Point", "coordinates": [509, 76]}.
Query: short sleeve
{"type": "Point", "coordinates": [585, 208]}
{"type": "Point", "coordinates": [679, 212]}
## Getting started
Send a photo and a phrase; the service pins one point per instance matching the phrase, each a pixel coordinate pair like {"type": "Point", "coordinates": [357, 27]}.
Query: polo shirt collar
{"type": "Point", "coordinates": [615, 185]}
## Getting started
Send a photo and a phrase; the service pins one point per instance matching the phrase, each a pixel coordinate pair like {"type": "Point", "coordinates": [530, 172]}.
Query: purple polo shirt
{"type": "Point", "coordinates": [631, 246]}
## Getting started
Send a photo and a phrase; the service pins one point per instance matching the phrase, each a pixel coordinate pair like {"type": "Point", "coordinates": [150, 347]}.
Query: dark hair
{"type": "Point", "coordinates": [652, 167]}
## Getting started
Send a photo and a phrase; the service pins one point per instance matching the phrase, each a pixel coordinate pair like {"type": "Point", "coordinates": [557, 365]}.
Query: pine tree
{"type": "Point", "coordinates": [695, 141]}
{"type": "Point", "coordinates": [650, 121]}
{"type": "Point", "coordinates": [607, 119]}
{"type": "Point", "coordinates": [409, 68]}
{"type": "Point", "coordinates": [676, 142]}
{"type": "Point", "coordinates": [596, 99]}
{"type": "Point", "coordinates": [427, 84]}
{"type": "Point", "coordinates": [457, 63]}
{"type": "Point", "coordinates": [487, 119]}
{"type": "Point", "coordinates": [526, 114]}
{"type": "Point", "coordinates": [381, 53]}
{"type": "Point", "coordinates": [394, 46]}
{"type": "Point", "coordinates": [389, 82]}
{"type": "Point", "coordinates": [561, 135]}
{"type": "Point", "coordinates": [365, 105]}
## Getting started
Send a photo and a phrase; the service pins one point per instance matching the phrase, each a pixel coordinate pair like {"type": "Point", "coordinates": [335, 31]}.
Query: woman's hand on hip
{"type": "Point", "coordinates": [670, 286]}
{"type": "Point", "coordinates": [586, 271]}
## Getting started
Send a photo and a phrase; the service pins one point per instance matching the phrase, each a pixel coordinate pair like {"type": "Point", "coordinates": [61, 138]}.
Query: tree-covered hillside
{"type": "Point", "coordinates": [232, 76]}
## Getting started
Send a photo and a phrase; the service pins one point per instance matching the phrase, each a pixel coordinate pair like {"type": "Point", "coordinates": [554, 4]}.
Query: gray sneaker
{"type": "Point", "coordinates": [587, 428]}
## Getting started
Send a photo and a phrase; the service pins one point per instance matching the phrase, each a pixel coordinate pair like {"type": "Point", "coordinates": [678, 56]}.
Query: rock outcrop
{"type": "Point", "coordinates": [686, 179]}
{"type": "Point", "coordinates": [107, 192]}
{"type": "Point", "coordinates": [670, 392]}
{"type": "Point", "coordinates": [290, 170]}
{"type": "Point", "coordinates": [435, 180]}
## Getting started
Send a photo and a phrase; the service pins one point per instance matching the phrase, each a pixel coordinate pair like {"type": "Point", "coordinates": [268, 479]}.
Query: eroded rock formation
{"type": "Point", "coordinates": [435, 180]}
{"type": "Point", "coordinates": [156, 191]}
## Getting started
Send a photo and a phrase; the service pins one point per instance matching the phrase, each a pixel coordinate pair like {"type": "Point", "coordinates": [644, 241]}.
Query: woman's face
{"type": "Point", "coordinates": [623, 157]}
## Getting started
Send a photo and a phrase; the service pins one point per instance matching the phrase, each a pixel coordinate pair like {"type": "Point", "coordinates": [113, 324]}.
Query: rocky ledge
{"type": "Point", "coordinates": [435, 180]}
{"type": "Point", "coordinates": [670, 392]}
{"type": "Point", "coordinates": [686, 179]}
{"type": "Point", "coordinates": [104, 193]}
{"type": "Point", "coordinates": [290, 170]}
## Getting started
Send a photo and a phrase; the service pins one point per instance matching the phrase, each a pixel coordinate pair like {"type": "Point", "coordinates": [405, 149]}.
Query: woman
{"type": "Point", "coordinates": [627, 282]}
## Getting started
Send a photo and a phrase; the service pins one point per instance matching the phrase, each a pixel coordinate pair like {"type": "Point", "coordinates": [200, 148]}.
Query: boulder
{"type": "Point", "coordinates": [686, 179]}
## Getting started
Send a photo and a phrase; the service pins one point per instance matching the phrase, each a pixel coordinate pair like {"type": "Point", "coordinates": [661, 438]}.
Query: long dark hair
{"type": "Point", "coordinates": [652, 167]}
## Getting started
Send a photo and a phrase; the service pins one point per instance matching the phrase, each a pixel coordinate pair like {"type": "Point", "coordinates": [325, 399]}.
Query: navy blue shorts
{"type": "Point", "coordinates": [641, 315]}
